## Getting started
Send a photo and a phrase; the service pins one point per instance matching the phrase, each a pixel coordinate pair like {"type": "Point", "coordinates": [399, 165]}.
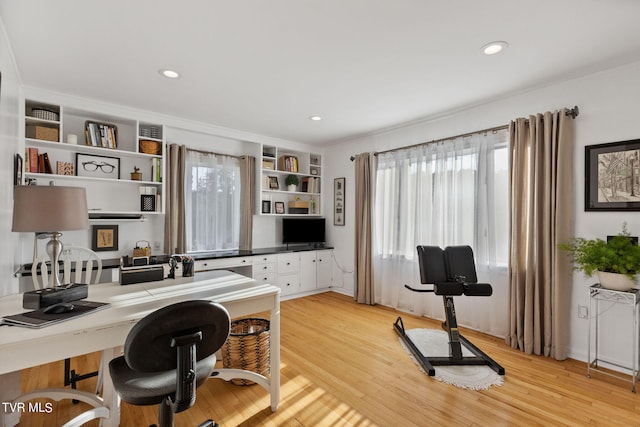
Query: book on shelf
{"type": "Point", "coordinates": [156, 169]}
{"type": "Point", "coordinates": [33, 159]}
{"type": "Point", "coordinates": [310, 184]}
{"type": "Point", "coordinates": [64, 168]}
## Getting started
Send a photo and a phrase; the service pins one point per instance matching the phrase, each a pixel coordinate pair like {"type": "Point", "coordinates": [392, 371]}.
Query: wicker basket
{"type": "Point", "coordinates": [150, 147]}
{"type": "Point", "coordinates": [247, 347]}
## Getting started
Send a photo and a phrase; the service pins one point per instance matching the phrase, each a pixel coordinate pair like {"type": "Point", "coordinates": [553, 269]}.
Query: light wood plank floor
{"type": "Point", "coordinates": [342, 365]}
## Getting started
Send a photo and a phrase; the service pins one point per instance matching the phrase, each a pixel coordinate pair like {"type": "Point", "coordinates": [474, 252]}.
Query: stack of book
{"type": "Point", "coordinates": [288, 164]}
{"type": "Point", "coordinates": [101, 135]}
{"type": "Point", "coordinates": [37, 162]}
{"type": "Point", "coordinates": [310, 185]}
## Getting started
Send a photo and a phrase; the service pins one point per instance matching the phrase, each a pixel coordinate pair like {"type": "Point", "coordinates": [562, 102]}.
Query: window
{"type": "Point", "coordinates": [454, 192]}
{"type": "Point", "coordinates": [212, 202]}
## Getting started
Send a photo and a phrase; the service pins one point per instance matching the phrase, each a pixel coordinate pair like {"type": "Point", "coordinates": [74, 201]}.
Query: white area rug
{"type": "Point", "coordinates": [434, 343]}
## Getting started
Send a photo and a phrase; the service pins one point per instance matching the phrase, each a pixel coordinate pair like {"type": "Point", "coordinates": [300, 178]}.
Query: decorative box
{"type": "Point", "coordinates": [42, 132]}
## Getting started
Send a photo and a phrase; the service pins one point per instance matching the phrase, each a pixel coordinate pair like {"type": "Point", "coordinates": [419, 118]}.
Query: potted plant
{"type": "Point", "coordinates": [291, 182]}
{"type": "Point", "coordinates": [615, 261]}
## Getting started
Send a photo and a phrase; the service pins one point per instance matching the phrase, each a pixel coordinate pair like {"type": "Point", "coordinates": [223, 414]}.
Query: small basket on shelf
{"type": "Point", "coordinates": [150, 147]}
{"type": "Point", "coordinates": [143, 248]}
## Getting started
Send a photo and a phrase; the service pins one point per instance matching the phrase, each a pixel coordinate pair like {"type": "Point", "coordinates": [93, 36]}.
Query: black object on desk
{"type": "Point", "coordinates": [56, 295]}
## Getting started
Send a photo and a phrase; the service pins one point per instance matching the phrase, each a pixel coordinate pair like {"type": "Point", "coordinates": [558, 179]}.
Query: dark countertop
{"type": "Point", "coordinates": [25, 270]}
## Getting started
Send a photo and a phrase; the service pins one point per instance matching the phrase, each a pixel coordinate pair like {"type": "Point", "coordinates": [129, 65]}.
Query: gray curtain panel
{"type": "Point", "coordinates": [364, 292]}
{"type": "Point", "coordinates": [541, 150]}
{"type": "Point", "coordinates": [247, 183]}
{"type": "Point", "coordinates": [174, 221]}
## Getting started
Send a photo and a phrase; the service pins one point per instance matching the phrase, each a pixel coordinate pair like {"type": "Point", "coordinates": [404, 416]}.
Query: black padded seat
{"type": "Point", "coordinates": [168, 354]}
{"type": "Point", "coordinates": [149, 388]}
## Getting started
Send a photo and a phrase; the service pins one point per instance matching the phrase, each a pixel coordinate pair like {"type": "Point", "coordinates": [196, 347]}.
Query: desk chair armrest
{"type": "Point", "coordinates": [478, 289]}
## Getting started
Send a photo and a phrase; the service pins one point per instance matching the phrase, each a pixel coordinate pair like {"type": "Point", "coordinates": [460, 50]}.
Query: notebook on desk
{"type": "Point", "coordinates": [40, 319]}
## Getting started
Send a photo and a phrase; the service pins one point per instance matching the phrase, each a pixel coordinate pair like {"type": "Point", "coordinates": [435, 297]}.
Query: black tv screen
{"type": "Point", "coordinates": [303, 230]}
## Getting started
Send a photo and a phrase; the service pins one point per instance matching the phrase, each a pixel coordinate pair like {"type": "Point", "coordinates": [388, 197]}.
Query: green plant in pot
{"type": "Point", "coordinates": [291, 182]}
{"type": "Point", "coordinates": [616, 261]}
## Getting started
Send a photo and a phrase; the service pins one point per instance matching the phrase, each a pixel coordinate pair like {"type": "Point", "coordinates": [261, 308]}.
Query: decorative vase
{"type": "Point", "coordinates": [615, 281]}
{"type": "Point", "coordinates": [291, 187]}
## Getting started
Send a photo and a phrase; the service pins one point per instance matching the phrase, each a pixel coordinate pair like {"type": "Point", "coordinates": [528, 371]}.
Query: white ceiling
{"type": "Point", "coordinates": [265, 66]}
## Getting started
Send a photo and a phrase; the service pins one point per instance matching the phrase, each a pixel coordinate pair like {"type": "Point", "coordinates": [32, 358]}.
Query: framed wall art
{"type": "Point", "coordinates": [104, 238]}
{"type": "Point", "coordinates": [612, 176]}
{"type": "Point", "coordinates": [93, 166]}
{"type": "Point", "coordinates": [338, 201]}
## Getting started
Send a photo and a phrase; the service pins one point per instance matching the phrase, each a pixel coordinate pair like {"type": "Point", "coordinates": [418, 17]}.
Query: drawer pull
{"type": "Point", "coordinates": [265, 267]}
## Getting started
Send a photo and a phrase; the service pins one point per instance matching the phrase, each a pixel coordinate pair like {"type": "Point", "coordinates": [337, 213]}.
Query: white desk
{"type": "Point", "coordinates": [107, 329]}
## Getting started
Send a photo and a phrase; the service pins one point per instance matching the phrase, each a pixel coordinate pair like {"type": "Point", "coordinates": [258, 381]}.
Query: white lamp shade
{"type": "Point", "coordinates": [49, 208]}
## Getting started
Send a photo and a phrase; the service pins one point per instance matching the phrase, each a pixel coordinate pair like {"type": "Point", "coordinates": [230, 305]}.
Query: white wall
{"type": "Point", "coordinates": [9, 147]}
{"type": "Point", "coordinates": [609, 112]}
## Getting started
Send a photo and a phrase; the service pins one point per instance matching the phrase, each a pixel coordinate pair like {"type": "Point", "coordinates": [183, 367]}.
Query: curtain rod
{"type": "Point", "coordinates": [573, 112]}
{"type": "Point", "coordinates": [216, 154]}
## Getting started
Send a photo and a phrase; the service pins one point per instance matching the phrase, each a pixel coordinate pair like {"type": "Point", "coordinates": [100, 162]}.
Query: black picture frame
{"type": "Point", "coordinates": [612, 176]}
{"type": "Point", "coordinates": [279, 207]}
{"type": "Point", "coordinates": [18, 170]}
{"type": "Point", "coordinates": [338, 201]}
{"type": "Point", "coordinates": [266, 206]}
{"type": "Point", "coordinates": [104, 238]}
{"type": "Point", "coordinates": [106, 167]}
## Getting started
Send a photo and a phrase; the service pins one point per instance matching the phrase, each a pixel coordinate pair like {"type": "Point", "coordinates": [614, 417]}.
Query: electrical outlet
{"type": "Point", "coordinates": [583, 312]}
{"type": "Point", "coordinates": [156, 245]}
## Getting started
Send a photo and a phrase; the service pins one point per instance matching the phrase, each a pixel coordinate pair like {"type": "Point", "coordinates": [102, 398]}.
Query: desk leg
{"type": "Point", "coordinates": [109, 395]}
{"type": "Point", "coordinates": [275, 356]}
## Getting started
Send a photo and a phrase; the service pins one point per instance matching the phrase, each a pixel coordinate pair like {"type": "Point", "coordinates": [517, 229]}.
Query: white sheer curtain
{"type": "Point", "coordinates": [212, 201]}
{"type": "Point", "coordinates": [453, 192]}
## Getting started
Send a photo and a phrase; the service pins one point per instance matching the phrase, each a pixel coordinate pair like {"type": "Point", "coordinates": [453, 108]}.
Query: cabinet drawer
{"type": "Point", "coordinates": [221, 263]}
{"type": "Point", "coordinates": [264, 259]}
{"type": "Point", "coordinates": [288, 263]}
{"type": "Point", "coordinates": [288, 283]}
{"type": "Point", "coordinates": [264, 268]}
{"type": "Point", "coordinates": [261, 277]}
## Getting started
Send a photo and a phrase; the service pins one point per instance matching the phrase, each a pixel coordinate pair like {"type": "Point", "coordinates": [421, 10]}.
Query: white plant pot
{"type": "Point", "coordinates": [615, 281]}
{"type": "Point", "coordinates": [291, 187]}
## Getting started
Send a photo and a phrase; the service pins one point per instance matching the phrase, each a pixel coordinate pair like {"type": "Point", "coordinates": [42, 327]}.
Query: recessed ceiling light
{"type": "Point", "coordinates": [494, 47]}
{"type": "Point", "coordinates": [315, 118]}
{"type": "Point", "coordinates": [170, 74]}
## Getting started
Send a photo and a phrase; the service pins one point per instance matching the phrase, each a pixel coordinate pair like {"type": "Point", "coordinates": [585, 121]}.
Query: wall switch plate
{"type": "Point", "coordinates": [583, 312]}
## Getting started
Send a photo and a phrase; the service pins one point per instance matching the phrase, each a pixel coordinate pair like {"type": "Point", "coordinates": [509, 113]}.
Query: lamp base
{"type": "Point", "coordinates": [54, 249]}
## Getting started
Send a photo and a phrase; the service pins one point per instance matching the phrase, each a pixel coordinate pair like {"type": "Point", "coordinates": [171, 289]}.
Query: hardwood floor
{"type": "Point", "coordinates": [342, 365]}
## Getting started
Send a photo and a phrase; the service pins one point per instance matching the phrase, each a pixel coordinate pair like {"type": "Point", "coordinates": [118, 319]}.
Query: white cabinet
{"type": "Point", "coordinates": [323, 269]}
{"type": "Point", "coordinates": [279, 166]}
{"type": "Point", "coordinates": [288, 273]}
{"type": "Point", "coordinates": [264, 268]}
{"type": "Point", "coordinates": [76, 147]}
{"type": "Point", "coordinates": [315, 270]}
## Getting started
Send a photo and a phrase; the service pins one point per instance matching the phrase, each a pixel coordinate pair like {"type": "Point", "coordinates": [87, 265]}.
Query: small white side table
{"type": "Point", "coordinates": [598, 294]}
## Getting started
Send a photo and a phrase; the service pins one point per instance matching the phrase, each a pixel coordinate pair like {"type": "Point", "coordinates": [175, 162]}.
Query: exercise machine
{"type": "Point", "coordinates": [452, 272]}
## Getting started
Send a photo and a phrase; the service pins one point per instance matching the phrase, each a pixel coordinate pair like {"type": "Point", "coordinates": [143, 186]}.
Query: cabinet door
{"type": "Point", "coordinates": [323, 269]}
{"type": "Point", "coordinates": [289, 283]}
{"type": "Point", "coordinates": [308, 270]}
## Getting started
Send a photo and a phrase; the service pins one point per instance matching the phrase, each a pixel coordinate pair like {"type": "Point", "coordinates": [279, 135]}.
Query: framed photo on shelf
{"type": "Point", "coordinates": [338, 201]}
{"type": "Point", "coordinates": [17, 172]}
{"type": "Point", "coordinates": [612, 176]}
{"type": "Point", "coordinates": [273, 183]}
{"type": "Point", "coordinates": [104, 238]}
{"type": "Point", "coordinates": [93, 166]}
{"type": "Point", "coordinates": [279, 206]}
{"type": "Point", "coordinates": [266, 206]}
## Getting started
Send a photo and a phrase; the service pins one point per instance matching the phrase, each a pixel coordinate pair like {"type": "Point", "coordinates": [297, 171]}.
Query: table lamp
{"type": "Point", "coordinates": [50, 209]}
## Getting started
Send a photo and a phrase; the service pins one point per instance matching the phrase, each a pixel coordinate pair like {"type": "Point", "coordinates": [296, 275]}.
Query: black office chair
{"type": "Point", "coordinates": [452, 272]}
{"type": "Point", "coordinates": [168, 354]}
